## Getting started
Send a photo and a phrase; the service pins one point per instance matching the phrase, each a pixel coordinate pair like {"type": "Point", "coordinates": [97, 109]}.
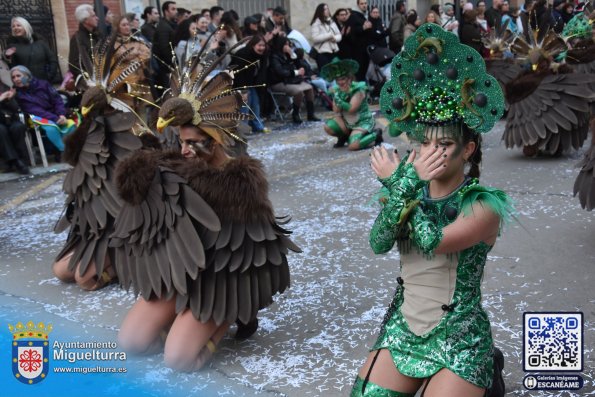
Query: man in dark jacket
{"type": "Point", "coordinates": [80, 42]}
{"type": "Point", "coordinates": [494, 14]}
{"type": "Point", "coordinates": [163, 46]}
{"type": "Point", "coordinates": [396, 28]}
{"type": "Point", "coordinates": [277, 23]}
{"type": "Point", "coordinates": [12, 133]}
{"type": "Point", "coordinates": [359, 28]}
{"type": "Point", "coordinates": [151, 17]}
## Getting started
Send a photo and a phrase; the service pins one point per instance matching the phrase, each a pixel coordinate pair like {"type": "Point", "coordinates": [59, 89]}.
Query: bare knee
{"type": "Point", "coordinates": [132, 343]}
{"type": "Point", "coordinates": [184, 360]}
{"type": "Point", "coordinates": [329, 131]}
{"type": "Point", "coordinates": [60, 269]}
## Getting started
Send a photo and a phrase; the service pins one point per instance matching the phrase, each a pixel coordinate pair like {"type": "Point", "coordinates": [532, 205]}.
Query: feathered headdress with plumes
{"type": "Point", "coordinates": [498, 40]}
{"type": "Point", "coordinates": [109, 77]}
{"type": "Point", "coordinates": [212, 105]}
{"type": "Point", "coordinates": [548, 46]}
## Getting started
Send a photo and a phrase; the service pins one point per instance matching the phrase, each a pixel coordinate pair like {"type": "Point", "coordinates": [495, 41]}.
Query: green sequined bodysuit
{"type": "Point", "coordinates": [435, 320]}
{"type": "Point", "coordinates": [363, 119]}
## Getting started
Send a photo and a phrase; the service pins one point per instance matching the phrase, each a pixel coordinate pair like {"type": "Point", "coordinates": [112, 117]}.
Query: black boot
{"type": "Point", "coordinates": [246, 330]}
{"type": "Point", "coordinates": [341, 141]}
{"type": "Point", "coordinates": [498, 388]}
{"type": "Point", "coordinates": [21, 167]}
{"type": "Point", "coordinates": [310, 110]}
{"type": "Point", "coordinates": [295, 115]}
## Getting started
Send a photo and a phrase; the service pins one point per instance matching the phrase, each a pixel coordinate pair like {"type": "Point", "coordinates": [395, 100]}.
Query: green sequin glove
{"type": "Point", "coordinates": [425, 233]}
{"type": "Point", "coordinates": [341, 104]}
{"type": "Point", "coordinates": [392, 220]}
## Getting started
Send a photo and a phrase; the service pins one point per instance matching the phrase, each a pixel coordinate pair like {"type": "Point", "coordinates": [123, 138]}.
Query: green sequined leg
{"type": "Point", "coordinates": [365, 139]}
{"type": "Point", "coordinates": [373, 390]}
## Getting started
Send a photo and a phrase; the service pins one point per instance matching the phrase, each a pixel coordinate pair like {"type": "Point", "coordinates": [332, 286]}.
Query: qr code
{"type": "Point", "coordinates": [553, 341]}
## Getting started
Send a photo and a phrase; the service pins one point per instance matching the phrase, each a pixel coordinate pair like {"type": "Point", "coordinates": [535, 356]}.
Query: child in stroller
{"type": "Point", "coordinates": [379, 69]}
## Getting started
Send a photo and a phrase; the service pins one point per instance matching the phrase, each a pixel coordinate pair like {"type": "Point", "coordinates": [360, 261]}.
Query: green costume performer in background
{"type": "Point", "coordinates": [353, 122]}
{"type": "Point", "coordinates": [439, 90]}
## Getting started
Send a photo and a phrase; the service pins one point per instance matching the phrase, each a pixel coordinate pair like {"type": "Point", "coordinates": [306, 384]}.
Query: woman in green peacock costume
{"type": "Point", "coordinates": [353, 122]}
{"type": "Point", "coordinates": [435, 334]}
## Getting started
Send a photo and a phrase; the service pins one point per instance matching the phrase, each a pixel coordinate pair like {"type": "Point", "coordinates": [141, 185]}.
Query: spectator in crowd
{"type": "Point", "coordinates": [12, 133]}
{"type": "Point", "coordinates": [25, 48]}
{"type": "Point", "coordinates": [134, 22]}
{"type": "Point", "coordinates": [448, 19]}
{"type": "Point", "coordinates": [494, 14]}
{"type": "Point", "coordinates": [202, 30]}
{"type": "Point", "coordinates": [80, 42]}
{"type": "Point", "coordinates": [360, 37]}
{"type": "Point", "coordinates": [379, 32]}
{"type": "Point", "coordinates": [413, 23]}
{"type": "Point", "coordinates": [567, 12]}
{"type": "Point", "coordinates": [125, 42]}
{"type": "Point", "coordinates": [151, 17]}
{"type": "Point", "coordinates": [162, 47]}
{"type": "Point", "coordinates": [108, 18]}
{"type": "Point", "coordinates": [525, 17]}
{"type": "Point", "coordinates": [541, 18]}
{"type": "Point", "coordinates": [206, 12]}
{"type": "Point", "coordinates": [231, 35]}
{"type": "Point", "coordinates": [43, 104]}
{"type": "Point", "coordinates": [397, 28]}
{"type": "Point", "coordinates": [481, 19]}
{"type": "Point", "coordinates": [182, 15]}
{"type": "Point", "coordinates": [325, 35]}
{"type": "Point", "coordinates": [471, 32]}
{"type": "Point", "coordinates": [558, 6]}
{"type": "Point", "coordinates": [251, 26]}
{"type": "Point", "coordinates": [510, 14]}
{"type": "Point", "coordinates": [340, 17]}
{"type": "Point", "coordinates": [319, 84]}
{"type": "Point", "coordinates": [186, 41]}
{"type": "Point", "coordinates": [251, 63]}
{"type": "Point", "coordinates": [432, 17]}
{"type": "Point", "coordinates": [216, 14]}
{"type": "Point", "coordinates": [284, 77]}
{"type": "Point", "coordinates": [277, 23]}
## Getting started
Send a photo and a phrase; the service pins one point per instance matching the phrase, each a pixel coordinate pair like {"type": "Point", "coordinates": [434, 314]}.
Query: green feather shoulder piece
{"type": "Point", "coordinates": [494, 199]}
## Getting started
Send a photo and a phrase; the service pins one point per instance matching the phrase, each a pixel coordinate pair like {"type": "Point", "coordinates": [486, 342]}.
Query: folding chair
{"type": "Point", "coordinates": [276, 98]}
{"type": "Point", "coordinates": [29, 143]}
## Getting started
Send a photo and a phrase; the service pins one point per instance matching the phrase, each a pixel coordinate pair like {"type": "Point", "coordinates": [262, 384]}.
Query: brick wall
{"type": "Point", "coordinates": [70, 6]}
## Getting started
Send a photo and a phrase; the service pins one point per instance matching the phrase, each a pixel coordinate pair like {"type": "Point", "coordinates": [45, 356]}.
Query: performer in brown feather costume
{"type": "Point", "coordinates": [94, 150]}
{"type": "Point", "coordinates": [581, 57]}
{"type": "Point", "coordinates": [197, 237]}
{"type": "Point", "coordinates": [548, 103]}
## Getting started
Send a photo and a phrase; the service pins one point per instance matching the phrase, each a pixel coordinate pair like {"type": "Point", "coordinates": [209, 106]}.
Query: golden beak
{"type": "Point", "coordinates": [162, 123]}
{"type": "Point", "coordinates": [85, 110]}
{"type": "Point", "coordinates": [534, 67]}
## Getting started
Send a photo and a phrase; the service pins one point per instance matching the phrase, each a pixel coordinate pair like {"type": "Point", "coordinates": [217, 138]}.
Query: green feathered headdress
{"type": "Point", "coordinates": [438, 82]}
{"type": "Point", "coordinates": [339, 68]}
{"type": "Point", "coordinates": [579, 27]}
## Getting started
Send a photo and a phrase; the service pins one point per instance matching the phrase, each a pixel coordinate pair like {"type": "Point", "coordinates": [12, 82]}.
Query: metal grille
{"type": "Point", "coordinates": [37, 12]}
{"type": "Point", "coordinates": [245, 8]}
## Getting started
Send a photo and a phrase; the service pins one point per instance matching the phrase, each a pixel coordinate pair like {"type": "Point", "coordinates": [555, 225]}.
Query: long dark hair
{"type": "Point", "coordinates": [319, 14]}
{"type": "Point", "coordinates": [475, 159]}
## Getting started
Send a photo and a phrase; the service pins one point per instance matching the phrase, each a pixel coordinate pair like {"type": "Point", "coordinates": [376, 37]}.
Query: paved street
{"type": "Point", "coordinates": [312, 341]}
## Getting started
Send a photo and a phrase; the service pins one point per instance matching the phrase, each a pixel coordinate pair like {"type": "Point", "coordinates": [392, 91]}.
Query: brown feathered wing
{"type": "Point", "coordinates": [160, 232]}
{"type": "Point", "coordinates": [554, 116]}
{"type": "Point", "coordinates": [246, 264]}
{"type": "Point", "coordinates": [93, 202]}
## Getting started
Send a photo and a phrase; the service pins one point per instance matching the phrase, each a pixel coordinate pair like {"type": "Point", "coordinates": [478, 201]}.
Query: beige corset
{"type": "Point", "coordinates": [428, 285]}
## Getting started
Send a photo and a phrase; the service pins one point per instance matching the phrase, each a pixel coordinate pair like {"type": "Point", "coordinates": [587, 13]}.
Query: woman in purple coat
{"type": "Point", "coordinates": [43, 104]}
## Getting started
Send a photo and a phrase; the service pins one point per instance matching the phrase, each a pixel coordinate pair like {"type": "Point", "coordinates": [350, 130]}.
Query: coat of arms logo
{"type": "Point", "coordinates": [30, 351]}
